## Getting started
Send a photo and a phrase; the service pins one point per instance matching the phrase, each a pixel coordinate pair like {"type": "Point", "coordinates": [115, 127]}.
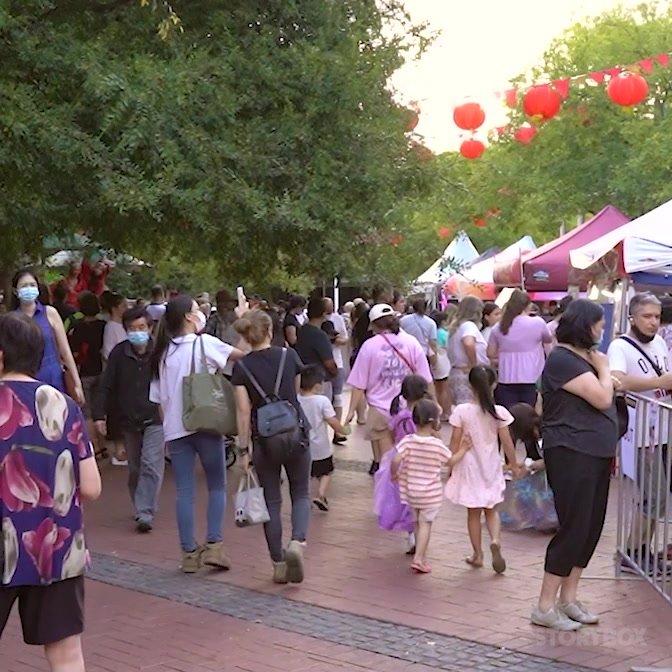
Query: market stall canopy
{"type": "Point", "coordinates": [456, 256]}
{"type": "Point", "coordinates": [478, 279]}
{"type": "Point", "coordinates": [547, 269]}
{"type": "Point", "coordinates": [645, 244]}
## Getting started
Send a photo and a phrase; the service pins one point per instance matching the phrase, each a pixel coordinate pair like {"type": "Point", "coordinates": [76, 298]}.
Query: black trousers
{"type": "Point", "coordinates": [509, 394]}
{"type": "Point", "coordinates": [580, 485]}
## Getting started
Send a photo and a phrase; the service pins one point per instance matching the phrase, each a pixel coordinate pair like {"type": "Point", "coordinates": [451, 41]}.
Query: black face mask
{"type": "Point", "coordinates": [641, 337]}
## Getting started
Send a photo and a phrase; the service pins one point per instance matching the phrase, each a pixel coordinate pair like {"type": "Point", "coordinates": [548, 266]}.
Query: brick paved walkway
{"type": "Point", "coordinates": [352, 567]}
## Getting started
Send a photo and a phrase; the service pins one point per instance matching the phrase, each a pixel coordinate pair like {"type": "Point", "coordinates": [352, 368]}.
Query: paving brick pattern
{"type": "Point", "coordinates": [413, 645]}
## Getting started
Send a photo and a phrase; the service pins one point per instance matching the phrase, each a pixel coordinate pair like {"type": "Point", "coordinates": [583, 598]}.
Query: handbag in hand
{"type": "Point", "coordinates": [250, 503]}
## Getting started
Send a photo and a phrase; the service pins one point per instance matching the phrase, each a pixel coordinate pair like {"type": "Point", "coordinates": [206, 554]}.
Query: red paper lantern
{"type": "Point", "coordinates": [480, 222]}
{"type": "Point", "coordinates": [469, 116]}
{"type": "Point", "coordinates": [396, 240]}
{"type": "Point", "coordinates": [444, 232]}
{"type": "Point", "coordinates": [525, 134]}
{"type": "Point", "coordinates": [472, 149]}
{"type": "Point", "coordinates": [412, 121]}
{"type": "Point", "coordinates": [542, 102]}
{"type": "Point", "coordinates": [511, 98]}
{"type": "Point", "coordinates": [627, 89]}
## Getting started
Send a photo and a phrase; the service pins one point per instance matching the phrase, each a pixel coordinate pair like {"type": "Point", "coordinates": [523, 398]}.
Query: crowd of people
{"type": "Point", "coordinates": [460, 403]}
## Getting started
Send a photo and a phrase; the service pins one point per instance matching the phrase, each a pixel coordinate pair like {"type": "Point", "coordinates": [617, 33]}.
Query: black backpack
{"type": "Point", "coordinates": [280, 428]}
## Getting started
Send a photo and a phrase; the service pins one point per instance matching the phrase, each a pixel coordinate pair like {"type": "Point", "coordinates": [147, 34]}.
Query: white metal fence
{"type": "Point", "coordinates": [644, 534]}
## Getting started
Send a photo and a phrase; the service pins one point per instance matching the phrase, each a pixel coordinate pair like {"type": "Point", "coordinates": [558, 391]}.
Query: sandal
{"type": "Point", "coordinates": [498, 562]}
{"type": "Point", "coordinates": [421, 567]}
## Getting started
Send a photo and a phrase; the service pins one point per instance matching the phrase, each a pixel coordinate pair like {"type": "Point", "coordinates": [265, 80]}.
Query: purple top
{"type": "Point", "coordinates": [521, 351]}
{"type": "Point", "coordinates": [42, 440]}
{"type": "Point", "coordinates": [402, 424]}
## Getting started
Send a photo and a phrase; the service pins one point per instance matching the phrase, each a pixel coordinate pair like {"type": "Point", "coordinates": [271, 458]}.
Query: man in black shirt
{"type": "Point", "coordinates": [126, 382]}
{"type": "Point", "coordinates": [314, 346]}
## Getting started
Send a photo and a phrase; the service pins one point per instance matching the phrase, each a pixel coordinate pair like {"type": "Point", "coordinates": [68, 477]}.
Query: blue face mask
{"type": "Point", "coordinates": [28, 294]}
{"type": "Point", "coordinates": [138, 337]}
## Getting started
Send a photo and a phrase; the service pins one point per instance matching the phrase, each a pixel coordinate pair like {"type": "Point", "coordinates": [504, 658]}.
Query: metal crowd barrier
{"type": "Point", "coordinates": [644, 527]}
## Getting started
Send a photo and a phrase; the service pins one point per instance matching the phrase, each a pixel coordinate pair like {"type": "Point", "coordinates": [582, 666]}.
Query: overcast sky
{"type": "Point", "coordinates": [483, 44]}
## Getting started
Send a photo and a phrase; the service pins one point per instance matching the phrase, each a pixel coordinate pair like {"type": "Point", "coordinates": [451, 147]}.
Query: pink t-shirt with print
{"type": "Point", "coordinates": [382, 364]}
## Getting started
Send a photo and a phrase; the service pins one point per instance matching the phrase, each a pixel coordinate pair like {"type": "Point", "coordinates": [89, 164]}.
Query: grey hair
{"type": "Point", "coordinates": [643, 299]}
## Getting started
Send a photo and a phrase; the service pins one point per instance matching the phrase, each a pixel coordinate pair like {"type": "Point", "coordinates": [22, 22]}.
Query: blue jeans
{"type": "Point", "coordinates": [210, 452]}
{"type": "Point", "coordinates": [146, 461]}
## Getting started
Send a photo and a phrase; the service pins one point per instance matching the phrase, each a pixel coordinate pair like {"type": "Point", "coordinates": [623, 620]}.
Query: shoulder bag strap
{"type": "Point", "coordinates": [281, 370]}
{"type": "Point", "coordinates": [204, 360]}
{"type": "Point", "coordinates": [193, 357]}
{"type": "Point", "coordinates": [399, 353]}
{"type": "Point", "coordinates": [656, 368]}
{"type": "Point", "coordinates": [255, 382]}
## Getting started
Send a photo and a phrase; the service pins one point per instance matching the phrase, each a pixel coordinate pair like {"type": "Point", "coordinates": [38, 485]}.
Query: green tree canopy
{"type": "Point", "coordinates": [263, 136]}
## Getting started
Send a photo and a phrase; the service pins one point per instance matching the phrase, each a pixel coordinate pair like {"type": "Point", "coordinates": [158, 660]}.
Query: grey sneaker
{"type": "Point", "coordinates": [577, 612]}
{"type": "Point", "coordinates": [294, 560]}
{"type": "Point", "coordinates": [553, 619]}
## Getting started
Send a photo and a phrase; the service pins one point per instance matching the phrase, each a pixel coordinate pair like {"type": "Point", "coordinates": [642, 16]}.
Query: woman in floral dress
{"type": "Point", "coordinates": [46, 468]}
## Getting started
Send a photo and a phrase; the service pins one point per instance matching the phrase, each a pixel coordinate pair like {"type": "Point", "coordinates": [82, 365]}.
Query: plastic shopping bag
{"type": "Point", "coordinates": [392, 513]}
{"type": "Point", "coordinates": [250, 504]}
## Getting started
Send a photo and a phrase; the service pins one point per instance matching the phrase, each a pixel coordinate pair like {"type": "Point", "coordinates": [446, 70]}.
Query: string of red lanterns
{"type": "Point", "coordinates": [626, 87]}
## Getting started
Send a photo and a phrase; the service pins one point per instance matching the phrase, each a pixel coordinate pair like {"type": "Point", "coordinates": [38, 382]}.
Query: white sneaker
{"type": "Point", "coordinates": [118, 463]}
{"type": "Point", "coordinates": [577, 612]}
{"type": "Point", "coordinates": [553, 619]}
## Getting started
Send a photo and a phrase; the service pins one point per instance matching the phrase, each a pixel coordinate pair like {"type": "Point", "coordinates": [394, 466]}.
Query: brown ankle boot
{"type": "Point", "coordinates": [214, 556]}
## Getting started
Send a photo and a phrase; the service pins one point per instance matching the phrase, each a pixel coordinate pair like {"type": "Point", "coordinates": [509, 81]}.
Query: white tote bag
{"type": "Point", "coordinates": [250, 503]}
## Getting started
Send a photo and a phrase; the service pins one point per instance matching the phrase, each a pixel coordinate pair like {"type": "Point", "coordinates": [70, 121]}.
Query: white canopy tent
{"type": "Point", "coordinates": [647, 244]}
{"type": "Point", "coordinates": [455, 257]}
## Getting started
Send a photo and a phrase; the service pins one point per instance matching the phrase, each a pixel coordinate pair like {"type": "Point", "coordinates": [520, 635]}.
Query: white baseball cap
{"type": "Point", "coordinates": [380, 310]}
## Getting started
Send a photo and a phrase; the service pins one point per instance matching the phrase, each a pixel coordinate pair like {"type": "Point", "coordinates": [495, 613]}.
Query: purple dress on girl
{"type": "Point", "coordinates": [392, 513]}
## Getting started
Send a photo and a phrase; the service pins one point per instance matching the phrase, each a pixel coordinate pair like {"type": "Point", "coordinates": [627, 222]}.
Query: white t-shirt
{"type": "Point", "coordinates": [317, 408]}
{"type": "Point", "coordinates": [456, 351]}
{"type": "Point", "coordinates": [114, 334]}
{"type": "Point", "coordinates": [341, 330]}
{"type": "Point", "coordinates": [176, 364]}
{"type": "Point", "coordinates": [421, 327]}
{"type": "Point", "coordinates": [626, 358]}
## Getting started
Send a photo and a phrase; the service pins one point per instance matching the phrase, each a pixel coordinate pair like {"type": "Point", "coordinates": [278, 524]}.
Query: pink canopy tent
{"type": "Point", "coordinates": [548, 268]}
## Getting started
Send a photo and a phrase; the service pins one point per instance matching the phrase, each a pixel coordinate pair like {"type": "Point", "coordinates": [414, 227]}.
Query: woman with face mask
{"type": "Point", "coordinates": [57, 354]}
{"type": "Point", "coordinates": [178, 331]}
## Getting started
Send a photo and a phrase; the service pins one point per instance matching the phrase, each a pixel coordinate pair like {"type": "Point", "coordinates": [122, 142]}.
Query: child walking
{"type": "Point", "coordinates": [417, 465]}
{"type": "Point", "coordinates": [478, 481]}
{"type": "Point", "coordinates": [320, 413]}
{"type": "Point", "coordinates": [413, 389]}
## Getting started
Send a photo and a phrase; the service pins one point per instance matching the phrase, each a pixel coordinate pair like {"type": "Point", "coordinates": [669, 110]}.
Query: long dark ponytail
{"type": "Point", "coordinates": [413, 388]}
{"type": "Point", "coordinates": [169, 327]}
{"type": "Point", "coordinates": [481, 379]}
